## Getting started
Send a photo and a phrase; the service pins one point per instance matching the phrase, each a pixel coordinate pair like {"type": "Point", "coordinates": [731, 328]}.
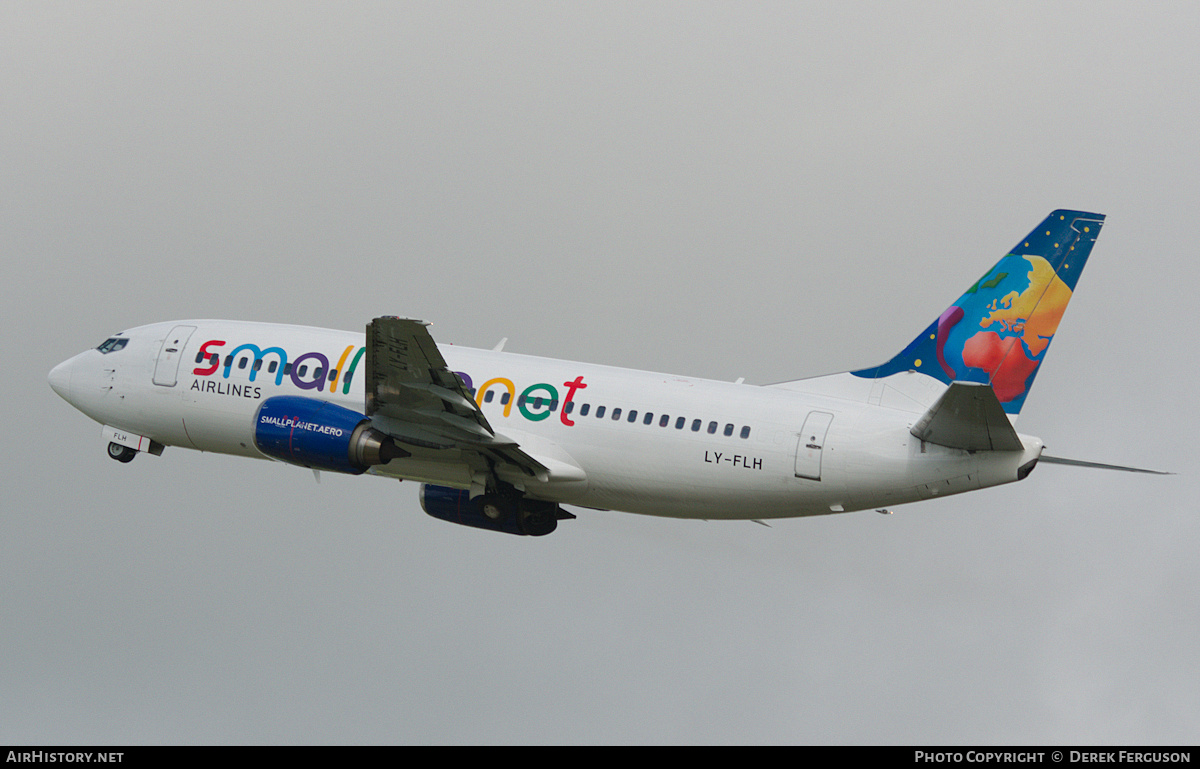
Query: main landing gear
{"type": "Point", "coordinates": [533, 517]}
{"type": "Point", "coordinates": [502, 509]}
{"type": "Point", "coordinates": [121, 453]}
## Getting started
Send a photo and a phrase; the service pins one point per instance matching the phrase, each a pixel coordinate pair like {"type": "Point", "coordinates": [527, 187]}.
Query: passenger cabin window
{"type": "Point", "coordinates": [712, 428]}
{"type": "Point", "coordinates": [746, 431]}
{"type": "Point", "coordinates": [616, 414]}
{"type": "Point", "coordinates": [696, 425]}
{"type": "Point", "coordinates": [583, 410]}
{"type": "Point", "coordinates": [600, 412]}
{"type": "Point", "coordinates": [728, 430]}
{"type": "Point", "coordinates": [632, 416]}
{"type": "Point", "coordinates": [680, 422]}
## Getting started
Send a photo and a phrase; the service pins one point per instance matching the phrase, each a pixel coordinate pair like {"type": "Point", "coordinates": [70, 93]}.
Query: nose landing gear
{"type": "Point", "coordinates": [121, 453]}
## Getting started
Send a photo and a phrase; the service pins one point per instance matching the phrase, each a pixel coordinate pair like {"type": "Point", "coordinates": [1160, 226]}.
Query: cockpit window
{"type": "Point", "coordinates": [112, 344]}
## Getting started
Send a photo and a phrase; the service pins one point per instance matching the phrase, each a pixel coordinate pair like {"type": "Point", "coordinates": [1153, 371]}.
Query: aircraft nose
{"type": "Point", "coordinates": [60, 379]}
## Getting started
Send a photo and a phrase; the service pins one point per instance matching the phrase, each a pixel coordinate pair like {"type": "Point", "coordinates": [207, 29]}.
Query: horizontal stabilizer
{"type": "Point", "coordinates": [968, 416]}
{"type": "Point", "coordinates": [1099, 465]}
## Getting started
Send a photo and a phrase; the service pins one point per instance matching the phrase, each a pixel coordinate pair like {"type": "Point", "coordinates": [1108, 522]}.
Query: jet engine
{"type": "Point", "coordinates": [498, 512]}
{"type": "Point", "coordinates": [321, 435]}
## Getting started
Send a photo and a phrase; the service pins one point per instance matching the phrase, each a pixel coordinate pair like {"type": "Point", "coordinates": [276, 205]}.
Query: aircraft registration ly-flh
{"type": "Point", "coordinates": [500, 441]}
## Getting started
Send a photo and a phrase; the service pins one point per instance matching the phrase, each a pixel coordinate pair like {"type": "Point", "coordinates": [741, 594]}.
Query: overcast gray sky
{"type": "Point", "coordinates": [766, 190]}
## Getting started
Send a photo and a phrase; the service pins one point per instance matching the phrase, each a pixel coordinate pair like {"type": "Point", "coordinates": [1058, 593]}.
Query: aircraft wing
{"type": "Point", "coordinates": [412, 396]}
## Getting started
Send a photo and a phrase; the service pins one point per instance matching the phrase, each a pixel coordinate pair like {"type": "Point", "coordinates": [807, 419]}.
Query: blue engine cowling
{"type": "Point", "coordinates": [320, 435]}
{"type": "Point", "coordinates": [513, 515]}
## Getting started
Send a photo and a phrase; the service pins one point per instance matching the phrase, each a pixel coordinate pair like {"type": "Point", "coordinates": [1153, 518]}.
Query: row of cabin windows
{"type": "Point", "coordinates": [271, 367]}
{"type": "Point", "coordinates": [631, 416]}
{"type": "Point", "coordinates": [489, 396]}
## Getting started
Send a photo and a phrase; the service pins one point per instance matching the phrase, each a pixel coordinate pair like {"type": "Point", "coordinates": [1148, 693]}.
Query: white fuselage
{"type": "Point", "coordinates": [631, 440]}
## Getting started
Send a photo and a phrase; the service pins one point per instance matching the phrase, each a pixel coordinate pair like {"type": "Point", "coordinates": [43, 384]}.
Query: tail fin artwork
{"type": "Point", "coordinates": [998, 332]}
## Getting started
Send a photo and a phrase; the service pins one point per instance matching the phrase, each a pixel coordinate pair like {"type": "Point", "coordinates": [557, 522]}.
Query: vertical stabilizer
{"type": "Point", "coordinates": [998, 332]}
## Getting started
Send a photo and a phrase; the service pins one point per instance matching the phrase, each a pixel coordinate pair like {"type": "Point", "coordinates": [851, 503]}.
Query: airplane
{"type": "Point", "coordinates": [502, 441]}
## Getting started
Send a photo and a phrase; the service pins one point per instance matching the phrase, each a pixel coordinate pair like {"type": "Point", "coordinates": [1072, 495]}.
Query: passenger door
{"type": "Point", "coordinates": [166, 371]}
{"type": "Point", "coordinates": [811, 445]}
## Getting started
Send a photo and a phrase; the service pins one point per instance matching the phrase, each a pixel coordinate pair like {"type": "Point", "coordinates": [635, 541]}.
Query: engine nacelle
{"type": "Point", "coordinates": [514, 515]}
{"type": "Point", "coordinates": [321, 435]}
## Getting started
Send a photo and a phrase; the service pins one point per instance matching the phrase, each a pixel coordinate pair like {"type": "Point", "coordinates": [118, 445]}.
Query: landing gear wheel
{"type": "Point", "coordinates": [495, 507]}
{"type": "Point", "coordinates": [121, 453]}
{"type": "Point", "coordinates": [537, 518]}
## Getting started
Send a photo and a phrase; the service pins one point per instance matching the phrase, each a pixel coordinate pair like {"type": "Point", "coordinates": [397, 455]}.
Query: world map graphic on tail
{"type": "Point", "coordinates": [999, 330]}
